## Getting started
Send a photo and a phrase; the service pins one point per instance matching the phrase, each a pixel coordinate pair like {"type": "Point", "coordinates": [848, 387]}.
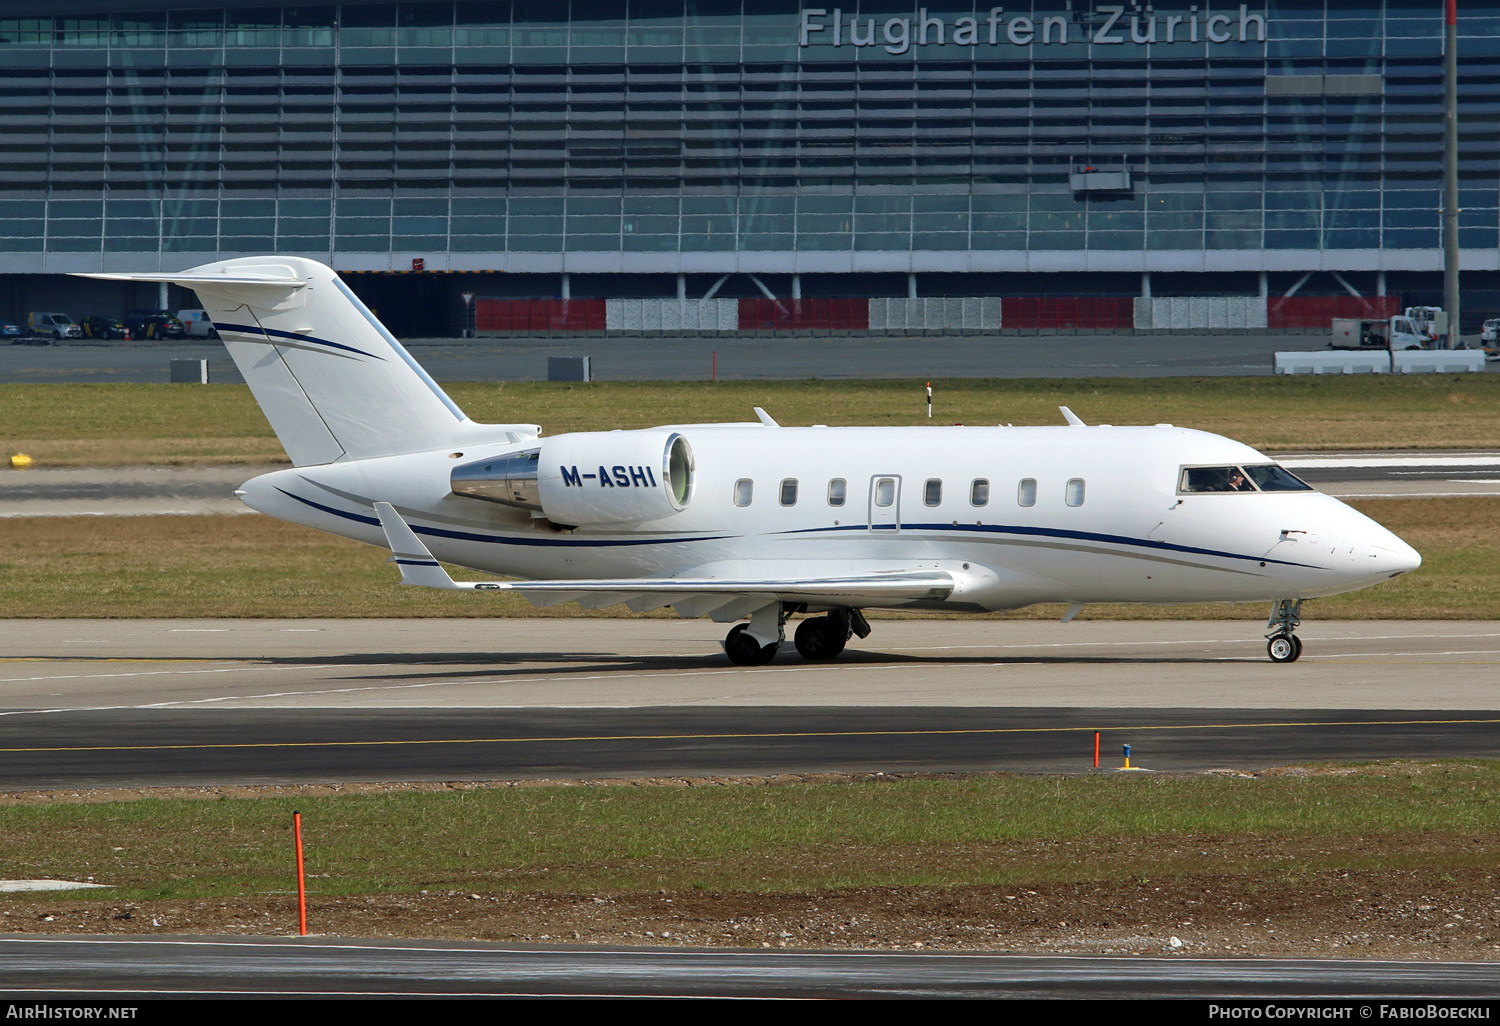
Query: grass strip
{"type": "Point", "coordinates": [119, 424]}
{"type": "Point", "coordinates": [205, 566]}
{"type": "Point", "coordinates": [777, 837]}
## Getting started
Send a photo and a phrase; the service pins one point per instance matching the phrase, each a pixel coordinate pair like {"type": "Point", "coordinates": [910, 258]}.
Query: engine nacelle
{"type": "Point", "coordinates": [589, 478]}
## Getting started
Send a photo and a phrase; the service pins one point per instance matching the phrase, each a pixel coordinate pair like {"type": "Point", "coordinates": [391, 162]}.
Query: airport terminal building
{"type": "Point", "coordinates": [1043, 152]}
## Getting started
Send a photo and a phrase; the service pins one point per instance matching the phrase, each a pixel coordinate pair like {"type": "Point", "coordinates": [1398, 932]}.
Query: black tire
{"type": "Point", "coordinates": [743, 650]}
{"type": "Point", "coordinates": [818, 640]}
{"type": "Point", "coordinates": [1284, 648]}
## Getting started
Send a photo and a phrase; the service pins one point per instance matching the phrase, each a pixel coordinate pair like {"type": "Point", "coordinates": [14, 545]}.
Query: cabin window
{"type": "Point", "coordinates": [932, 494]}
{"type": "Point", "coordinates": [789, 492]}
{"type": "Point", "coordinates": [1026, 494]}
{"type": "Point", "coordinates": [838, 490]}
{"type": "Point", "coordinates": [744, 488]}
{"type": "Point", "coordinates": [979, 492]}
{"type": "Point", "coordinates": [885, 491]}
{"type": "Point", "coordinates": [1074, 495]}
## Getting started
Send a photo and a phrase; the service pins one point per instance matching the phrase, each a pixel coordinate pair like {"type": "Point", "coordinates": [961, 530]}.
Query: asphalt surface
{"type": "Point", "coordinates": [281, 746]}
{"type": "Point", "coordinates": [35, 967]}
{"type": "Point", "coordinates": [735, 358]}
{"type": "Point", "coordinates": [136, 703]}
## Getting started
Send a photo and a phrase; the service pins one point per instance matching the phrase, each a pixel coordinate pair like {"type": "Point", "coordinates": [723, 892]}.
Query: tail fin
{"type": "Point", "coordinates": [332, 381]}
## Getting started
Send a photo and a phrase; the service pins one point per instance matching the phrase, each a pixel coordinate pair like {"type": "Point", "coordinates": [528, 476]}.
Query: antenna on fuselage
{"type": "Point", "coordinates": [1072, 418]}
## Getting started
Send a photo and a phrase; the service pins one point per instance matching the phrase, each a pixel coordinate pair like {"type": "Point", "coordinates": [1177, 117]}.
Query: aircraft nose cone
{"type": "Point", "coordinates": [1394, 557]}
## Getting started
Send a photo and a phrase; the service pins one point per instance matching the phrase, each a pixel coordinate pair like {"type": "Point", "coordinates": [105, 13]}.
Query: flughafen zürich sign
{"type": "Point", "coordinates": [1112, 24]}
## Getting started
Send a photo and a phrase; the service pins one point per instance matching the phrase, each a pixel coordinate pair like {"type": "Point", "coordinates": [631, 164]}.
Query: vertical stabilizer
{"type": "Point", "coordinates": [332, 381]}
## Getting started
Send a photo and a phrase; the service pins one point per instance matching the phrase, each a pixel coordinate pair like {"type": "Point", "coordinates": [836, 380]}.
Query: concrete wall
{"type": "Point", "coordinates": [1201, 313]}
{"type": "Point", "coordinates": [672, 315]}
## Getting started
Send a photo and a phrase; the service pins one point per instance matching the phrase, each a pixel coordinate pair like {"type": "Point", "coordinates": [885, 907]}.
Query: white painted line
{"type": "Point", "coordinates": [1346, 462]}
{"type": "Point", "coordinates": [1410, 495]}
{"type": "Point", "coordinates": [17, 886]}
{"type": "Point", "coordinates": [164, 673]}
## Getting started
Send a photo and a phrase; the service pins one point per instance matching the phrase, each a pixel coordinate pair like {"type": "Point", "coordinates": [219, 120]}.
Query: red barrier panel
{"type": "Point", "coordinates": [1299, 313]}
{"type": "Point", "coordinates": [528, 315]}
{"type": "Point", "coordinates": [1090, 312]}
{"type": "Point", "coordinates": [804, 314]}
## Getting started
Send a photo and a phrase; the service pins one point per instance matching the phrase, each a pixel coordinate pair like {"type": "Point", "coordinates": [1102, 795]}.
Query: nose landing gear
{"type": "Point", "coordinates": [1282, 645]}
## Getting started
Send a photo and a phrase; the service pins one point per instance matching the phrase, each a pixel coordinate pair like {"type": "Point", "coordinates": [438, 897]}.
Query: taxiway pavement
{"type": "Point", "coordinates": [137, 703]}
{"type": "Point", "coordinates": [122, 970]}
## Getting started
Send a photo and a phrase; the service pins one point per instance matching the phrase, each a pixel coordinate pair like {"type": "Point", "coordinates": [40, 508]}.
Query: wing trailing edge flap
{"type": "Point", "coordinates": [692, 597]}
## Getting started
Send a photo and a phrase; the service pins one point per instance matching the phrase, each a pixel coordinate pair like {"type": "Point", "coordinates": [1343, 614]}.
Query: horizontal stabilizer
{"type": "Point", "coordinates": [197, 276]}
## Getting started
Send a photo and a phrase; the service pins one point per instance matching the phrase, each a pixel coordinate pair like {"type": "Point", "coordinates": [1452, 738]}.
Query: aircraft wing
{"type": "Point", "coordinates": [726, 599]}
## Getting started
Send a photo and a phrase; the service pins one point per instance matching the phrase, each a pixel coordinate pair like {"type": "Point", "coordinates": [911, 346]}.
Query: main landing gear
{"type": "Point", "coordinates": [1282, 645]}
{"type": "Point", "coordinates": [818, 638]}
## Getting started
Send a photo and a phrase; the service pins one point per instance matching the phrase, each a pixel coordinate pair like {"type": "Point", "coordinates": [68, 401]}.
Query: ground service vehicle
{"type": "Point", "coordinates": [1431, 321]}
{"type": "Point", "coordinates": [1490, 333]}
{"type": "Point", "coordinates": [1398, 332]}
{"type": "Point", "coordinates": [53, 325]}
{"type": "Point", "coordinates": [197, 324]}
{"type": "Point", "coordinates": [104, 326]}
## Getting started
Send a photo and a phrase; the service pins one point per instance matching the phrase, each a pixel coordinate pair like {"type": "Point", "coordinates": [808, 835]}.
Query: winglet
{"type": "Point", "coordinates": [765, 418]}
{"type": "Point", "coordinates": [407, 552]}
{"type": "Point", "coordinates": [1073, 419]}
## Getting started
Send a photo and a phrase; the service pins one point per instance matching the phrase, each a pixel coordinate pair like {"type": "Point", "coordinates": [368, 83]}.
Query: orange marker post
{"type": "Point", "coordinates": [1096, 749]}
{"type": "Point", "coordinates": [301, 875]}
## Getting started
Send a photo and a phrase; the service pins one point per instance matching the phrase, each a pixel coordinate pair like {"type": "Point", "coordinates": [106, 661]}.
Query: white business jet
{"type": "Point", "coordinates": [756, 521]}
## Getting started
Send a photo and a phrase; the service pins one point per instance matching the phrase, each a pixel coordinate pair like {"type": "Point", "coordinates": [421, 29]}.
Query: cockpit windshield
{"type": "Point", "coordinates": [1274, 478]}
{"type": "Point", "coordinates": [1263, 478]}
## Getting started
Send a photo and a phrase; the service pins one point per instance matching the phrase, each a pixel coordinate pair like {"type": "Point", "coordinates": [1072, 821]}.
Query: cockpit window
{"type": "Point", "coordinates": [1265, 478]}
{"type": "Point", "coordinates": [1214, 479]}
{"type": "Point", "coordinates": [1273, 478]}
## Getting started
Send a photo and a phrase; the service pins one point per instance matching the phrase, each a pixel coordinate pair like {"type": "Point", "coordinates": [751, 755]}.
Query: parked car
{"type": "Point", "coordinates": [153, 324]}
{"type": "Point", "coordinates": [1490, 333]}
{"type": "Point", "coordinates": [104, 326]}
{"type": "Point", "coordinates": [53, 325]}
{"type": "Point", "coordinates": [197, 323]}
{"type": "Point", "coordinates": [10, 330]}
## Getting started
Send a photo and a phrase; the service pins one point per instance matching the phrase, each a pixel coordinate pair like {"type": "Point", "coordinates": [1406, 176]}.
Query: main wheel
{"type": "Point", "coordinates": [818, 639]}
{"type": "Point", "coordinates": [743, 650]}
{"type": "Point", "coordinates": [1284, 648]}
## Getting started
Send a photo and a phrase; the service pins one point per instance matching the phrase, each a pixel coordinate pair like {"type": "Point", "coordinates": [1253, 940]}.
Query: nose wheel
{"type": "Point", "coordinates": [1282, 644]}
{"type": "Point", "coordinates": [1284, 648]}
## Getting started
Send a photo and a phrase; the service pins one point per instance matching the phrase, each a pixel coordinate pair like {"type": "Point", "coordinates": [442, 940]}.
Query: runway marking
{"type": "Point", "coordinates": [744, 736]}
{"type": "Point", "coordinates": [164, 673]}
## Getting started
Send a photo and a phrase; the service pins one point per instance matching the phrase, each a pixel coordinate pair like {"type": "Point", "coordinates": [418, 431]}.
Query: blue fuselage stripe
{"type": "Point", "coordinates": [992, 529]}
{"type": "Point", "coordinates": [491, 539]}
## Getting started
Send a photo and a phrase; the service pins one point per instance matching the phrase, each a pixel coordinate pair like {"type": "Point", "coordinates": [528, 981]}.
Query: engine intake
{"type": "Point", "coordinates": [589, 478]}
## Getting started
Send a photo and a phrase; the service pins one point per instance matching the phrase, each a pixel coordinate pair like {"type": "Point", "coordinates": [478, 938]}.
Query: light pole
{"type": "Point", "coordinates": [1450, 172]}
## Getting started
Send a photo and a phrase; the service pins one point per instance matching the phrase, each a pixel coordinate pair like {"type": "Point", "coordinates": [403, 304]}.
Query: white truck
{"type": "Point", "coordinates": [1431, 321]}
{"type": "Point", "coordinates": [197, 324]}
{"type": "Point", "coordinates": [1398, 332]}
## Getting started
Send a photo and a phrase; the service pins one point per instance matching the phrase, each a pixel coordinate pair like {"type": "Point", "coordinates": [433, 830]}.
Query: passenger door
{"type": "Point", "coordinates": [885, 502]}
